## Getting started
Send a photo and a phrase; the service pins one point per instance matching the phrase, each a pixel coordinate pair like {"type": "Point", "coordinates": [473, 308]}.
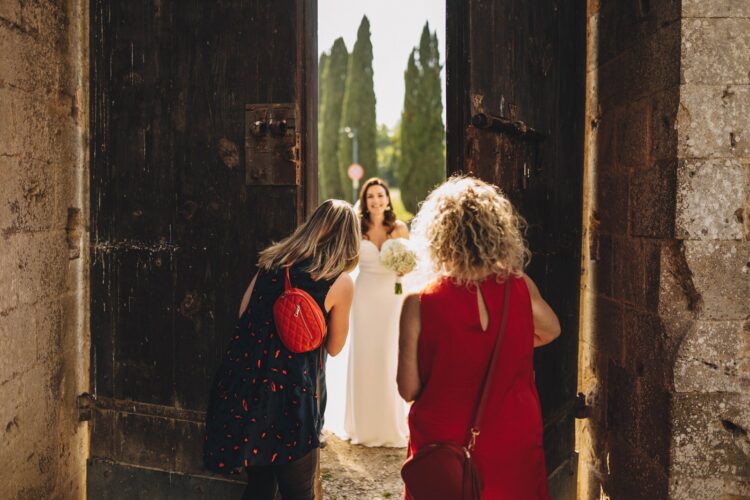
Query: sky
{"type": "Point", "coordinates": [395, 26]}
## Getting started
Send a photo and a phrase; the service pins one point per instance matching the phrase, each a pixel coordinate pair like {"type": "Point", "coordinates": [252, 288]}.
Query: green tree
{"type": "Point", "coordinates": [387, 153]}
{"type": "Point", "coordinates": [422, 161]}
{"type": "Point", "coordinates": [332, 85]}
{"type": "Point", "coordinates": [359, 109]}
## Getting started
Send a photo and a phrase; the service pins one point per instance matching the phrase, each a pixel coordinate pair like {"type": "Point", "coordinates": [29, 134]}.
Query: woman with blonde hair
{"type": "Point", "coordinates": [474, 242]}
{"type": "Point", "coordinates": [264, 412]}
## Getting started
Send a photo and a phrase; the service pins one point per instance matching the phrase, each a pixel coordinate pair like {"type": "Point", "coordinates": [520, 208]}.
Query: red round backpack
{"type": "Point", "coordinates": [300, 323]}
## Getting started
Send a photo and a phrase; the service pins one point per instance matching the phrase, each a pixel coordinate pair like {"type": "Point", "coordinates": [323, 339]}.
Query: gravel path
{"type": "Point", "coordinates": [356, 472]}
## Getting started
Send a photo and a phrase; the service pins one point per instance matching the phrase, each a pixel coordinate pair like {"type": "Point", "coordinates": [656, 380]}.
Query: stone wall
{"type": "Point", "coordinates": [666, 288]}
{"type": "Point", "coordinates": [43, 209]}
{"type": "Point", "coordinates": [711, 406]}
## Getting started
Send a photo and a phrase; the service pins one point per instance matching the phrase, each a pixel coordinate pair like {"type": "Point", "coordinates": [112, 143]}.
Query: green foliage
{"type": "Point", "coordinates": [332, 85]}
{"type": "Point", "coordinates": [359, 109]}
{"type": "Point", "coordinates": [387, 153]}
{"type": "Point", "coordinates": [421, 164]}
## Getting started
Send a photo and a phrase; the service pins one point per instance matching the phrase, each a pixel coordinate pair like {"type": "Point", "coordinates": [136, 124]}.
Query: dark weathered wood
{"type": "Point", "coordinates": [457, 77]}
{"type": "Point", "coordinates": [175, 228]}
{"type": "Point", "coordinates": [525, 61]}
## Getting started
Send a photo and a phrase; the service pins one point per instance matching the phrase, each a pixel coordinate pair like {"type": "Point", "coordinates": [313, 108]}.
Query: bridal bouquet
{"type": "Point", "coordinates": [397, 256]}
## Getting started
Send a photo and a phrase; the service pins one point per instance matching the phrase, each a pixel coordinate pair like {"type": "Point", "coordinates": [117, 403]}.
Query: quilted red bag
{"type": "Point", "coordinates": [299, 321]}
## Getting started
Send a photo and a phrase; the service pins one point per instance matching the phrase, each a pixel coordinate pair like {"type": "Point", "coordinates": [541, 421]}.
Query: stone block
{"type": "Point", "coordinates": [685, 486]}
{"type": "Point", "coordinates": [711, 195]}
{"type": "Point", "coordinates": [33, 267]}
{"type": "Point", "coordinates": [17, 343]}
{"type": "Point", "coordinates": [652, 201]}
{"type": "Point", "coordinates": [714, 121]}
{"type": "Point", "coordinates": [634, 135]}
{"type": "Point", "coordinates": [720, 273]}
{"type": "Point", "coordinates": [716, 51]}
{"type": "Point", "coordinates": [649, 66]}
{"type": "Point", "coordinates": [714, 357]}
{"type": "Point", "coordinates": [624, 24]}
{"type": "Point", "coordinates": [27, 195]}
{"type": "Point", "coordinates": [621, 391]}
{"type": "Point", "coordinates": [612, 202]}
{"type": "Point", "coordinates": [10, 11]}
{"type": "Point", "coordinates": [715, 8]}
{"type": "Point", "coordinates": [647, 351]}
{"type": "Point", "coordinates": [628, 271]}
{"type": "Point", "coordinates": [709, 436]}
{"type": "Point", "coordinates": [664, 107]}
{"type": "Point", "coordinates": [607, 324]}
{"type": "Point", "coordinates": [652, 254]}
{"type": "Point", "coordinates": [634, 475]}
{"type": "Point", "coordinates": [24, 425]}
{"type": "Point", "coordinates": [654, 421]}
{"type": "Point", "coordinates": [606, 139]}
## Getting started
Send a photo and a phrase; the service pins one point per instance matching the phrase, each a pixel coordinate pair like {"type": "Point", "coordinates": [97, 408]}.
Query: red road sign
{"type": "Point", "coordinates": [355, 171]}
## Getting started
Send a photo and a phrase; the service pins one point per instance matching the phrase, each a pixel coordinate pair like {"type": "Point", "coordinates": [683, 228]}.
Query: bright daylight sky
{"type": "Point", "coordinates": [395, 26]}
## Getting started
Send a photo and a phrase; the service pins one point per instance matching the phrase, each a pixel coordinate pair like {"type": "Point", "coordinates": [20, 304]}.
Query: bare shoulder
{"type": "Point", "coordinates": [343, 283]}
{"type": "Point", "coordinates": [402, 230]}
{"type": "Point", "coordinates": [533, 290]}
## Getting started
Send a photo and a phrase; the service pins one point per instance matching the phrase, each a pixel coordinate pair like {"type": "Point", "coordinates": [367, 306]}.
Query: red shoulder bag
{"type": "Point", "coordinates": [300, 323]}
{"type": "Point", "coordinates": [445, 470]}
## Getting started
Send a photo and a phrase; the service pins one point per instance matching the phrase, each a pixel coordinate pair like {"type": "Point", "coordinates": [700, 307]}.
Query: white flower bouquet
{"type": "Point", "coordinates": [397, 255]}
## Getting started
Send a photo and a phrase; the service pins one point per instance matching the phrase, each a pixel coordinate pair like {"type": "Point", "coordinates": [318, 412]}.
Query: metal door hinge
{"type": "Point", "coordinates": [85, 403]}
{"type": "Point", "coordinates": [581, 410]}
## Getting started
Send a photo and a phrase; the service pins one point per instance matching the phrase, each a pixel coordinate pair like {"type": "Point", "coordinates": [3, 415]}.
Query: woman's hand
{"type": "Point", "coordinates": [339, 302]}
{"type": "Point", "coordinates": [407, 376]}
{"type": "Point", "coordinates": [546, 324]}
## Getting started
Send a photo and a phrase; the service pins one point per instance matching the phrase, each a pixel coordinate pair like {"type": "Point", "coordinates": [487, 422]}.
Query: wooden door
{"type": "Point", "coordinates": [515, 117]}
{"type": "Point", "coordinates": [202, 152]}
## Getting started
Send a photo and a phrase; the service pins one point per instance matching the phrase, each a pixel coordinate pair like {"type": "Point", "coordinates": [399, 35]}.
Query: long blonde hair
{"type": "Point", "coordinates": [330, 239]}
{"type": "Point", "coordinates": [471, 231]}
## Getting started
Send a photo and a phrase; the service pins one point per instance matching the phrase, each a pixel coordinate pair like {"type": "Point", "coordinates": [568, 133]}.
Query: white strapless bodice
{"type": "Point", "coordinates": [369, 260]}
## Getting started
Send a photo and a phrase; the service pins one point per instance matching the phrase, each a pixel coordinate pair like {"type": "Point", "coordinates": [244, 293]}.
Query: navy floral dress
{"type": "Point", "coordinates": [263, 407]}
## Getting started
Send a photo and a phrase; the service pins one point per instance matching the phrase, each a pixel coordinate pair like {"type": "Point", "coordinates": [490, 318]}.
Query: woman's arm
{"type": "Point", "coordinates": [407, 376]}
{"type": "Point", "coordinates": [248, 293]}
{"type": "Point", "coordinates": [339, 302]}
{"type": "Point", "coordinates": [546, 324]}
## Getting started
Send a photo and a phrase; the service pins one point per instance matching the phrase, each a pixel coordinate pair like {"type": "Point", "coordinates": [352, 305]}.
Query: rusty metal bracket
{"type": "Point", "coordinates": [504, 125]}
{"type": "Point", "coordinates": [581, 409]}
{"type": "Point", "coordinates": [85, 404]}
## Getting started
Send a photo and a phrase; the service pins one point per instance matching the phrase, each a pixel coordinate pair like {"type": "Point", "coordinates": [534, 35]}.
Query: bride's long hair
{"type": "Point", "coordinates": [389, 217]}
{"type": "Point", "coordinates": [330, 239]}
{"type": "Point", "coordinates": [468, 230]}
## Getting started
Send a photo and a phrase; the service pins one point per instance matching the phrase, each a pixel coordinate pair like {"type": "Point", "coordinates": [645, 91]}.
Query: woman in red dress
{"type": "Point", "coordinates": [448, 331]}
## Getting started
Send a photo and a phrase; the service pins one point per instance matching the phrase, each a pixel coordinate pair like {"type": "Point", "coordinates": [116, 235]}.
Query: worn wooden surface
{"type": "Point", "coordinates": [526, 62]}
{"type": "Point", "coordinates": [175, 229]}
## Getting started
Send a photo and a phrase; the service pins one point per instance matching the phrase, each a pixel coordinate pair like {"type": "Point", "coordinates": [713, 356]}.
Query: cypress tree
{"type": "Point", "coordinates": [422, 162]}
{"type": "Point", "coordinates": [359, 109]}
{"type": "Point", "coordinates": [332, 85]}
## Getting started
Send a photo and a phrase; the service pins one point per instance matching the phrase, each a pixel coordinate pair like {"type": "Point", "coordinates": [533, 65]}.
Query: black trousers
{"type": "Point", "coordinates": [294, 480]}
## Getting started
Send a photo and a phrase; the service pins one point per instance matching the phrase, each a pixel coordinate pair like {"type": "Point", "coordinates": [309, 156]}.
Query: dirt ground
{"type": "Point", "coordinates": [356, 472]}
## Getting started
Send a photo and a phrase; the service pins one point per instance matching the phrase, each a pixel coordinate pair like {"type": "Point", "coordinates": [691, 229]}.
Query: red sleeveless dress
{"type": "Point", "coordinates": [453, 354]}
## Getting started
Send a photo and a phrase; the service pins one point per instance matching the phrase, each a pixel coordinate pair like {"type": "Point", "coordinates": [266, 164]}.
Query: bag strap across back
{"type": "Point", "coordinates": [487, 382]}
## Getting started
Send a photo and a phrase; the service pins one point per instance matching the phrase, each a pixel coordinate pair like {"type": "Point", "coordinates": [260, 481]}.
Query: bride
{"type": "Point", "coordinates": [375, 414]}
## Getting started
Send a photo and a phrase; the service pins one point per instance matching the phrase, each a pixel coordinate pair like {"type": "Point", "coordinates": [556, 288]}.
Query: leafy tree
{"type": "Point", "coordinates": [332, 85]}
{"type": "Point", "coordinates": [387, 153]}
{"type": "Point", "coordinates": [359, 109]}
{"type": "Point", "coordinates": [422, 161]}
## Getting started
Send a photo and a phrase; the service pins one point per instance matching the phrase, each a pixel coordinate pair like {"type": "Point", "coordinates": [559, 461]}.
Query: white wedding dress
{"type": "Point", "coordinates": [375, 413]}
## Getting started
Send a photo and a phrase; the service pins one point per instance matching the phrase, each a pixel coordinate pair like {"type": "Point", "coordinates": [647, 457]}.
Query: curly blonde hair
{"type": "Point", "coordinates": [471, 231]}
